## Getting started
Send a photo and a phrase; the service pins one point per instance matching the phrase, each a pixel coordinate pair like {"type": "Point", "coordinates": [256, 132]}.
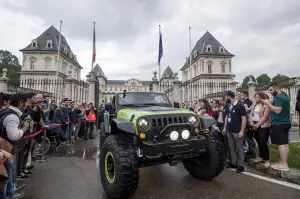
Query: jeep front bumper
{"type": "Point", "coordinates": [174, 150]}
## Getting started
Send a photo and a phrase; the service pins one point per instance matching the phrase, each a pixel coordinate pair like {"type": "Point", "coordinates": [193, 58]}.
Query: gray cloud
{"type": "Point", "coordinates": [117, 20]}
{"type": "Point", "coordinates": [264, 35]}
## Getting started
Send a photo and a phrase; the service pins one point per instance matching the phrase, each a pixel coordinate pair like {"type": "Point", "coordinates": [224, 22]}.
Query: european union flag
{"type": "Point", "coordinates": [160, 50]}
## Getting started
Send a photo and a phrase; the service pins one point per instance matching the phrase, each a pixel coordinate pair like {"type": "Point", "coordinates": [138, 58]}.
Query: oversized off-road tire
{"type": "Point", "coordinates": [210, 164]}
{"type": "Point", "coordinates": [103, 134]}
{"type": "Point", "coordinates": [119, 168]}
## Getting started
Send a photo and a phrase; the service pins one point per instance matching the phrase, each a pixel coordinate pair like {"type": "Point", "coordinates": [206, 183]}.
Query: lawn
{"type": "Point", "coordinates": [294, 156]}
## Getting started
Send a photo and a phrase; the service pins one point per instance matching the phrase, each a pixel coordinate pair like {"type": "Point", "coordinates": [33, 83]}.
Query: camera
{"type": "Point", "coordinates": [29, 120]}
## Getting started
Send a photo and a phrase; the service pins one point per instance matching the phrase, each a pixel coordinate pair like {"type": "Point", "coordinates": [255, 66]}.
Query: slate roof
{"type": "Point", "coordinates": [98, 71]}
{"type": "Point", "coordinates": [209, 39]}
{"type": "Point", "coordinates": [122, 82]}
{"type": "Point", "coordinates": [50, 34]}
{"type": "Point", "coordinates": [168, 71]}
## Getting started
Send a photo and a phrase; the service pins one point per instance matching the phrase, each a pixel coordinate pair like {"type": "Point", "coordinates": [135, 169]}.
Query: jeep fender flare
{"type": "Point", "coordinates": [124, 125]}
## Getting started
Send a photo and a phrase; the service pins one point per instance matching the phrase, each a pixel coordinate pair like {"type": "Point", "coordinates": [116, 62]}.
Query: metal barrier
{"type": "Point", "coordinates": [20, 147]}
{"type": "Point", "coordinates": [43, 158]}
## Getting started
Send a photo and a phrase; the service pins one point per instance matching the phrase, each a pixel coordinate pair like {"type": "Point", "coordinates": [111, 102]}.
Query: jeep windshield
{"type": "Point", "coordinates": [143, 99]}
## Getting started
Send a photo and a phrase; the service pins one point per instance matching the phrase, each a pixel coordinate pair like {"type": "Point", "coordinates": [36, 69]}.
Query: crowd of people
{"type": "Point", "coordinates": [24, 114]}
{"type": "Point", "coordinates": [237, 119]}
{"type": "Point", "coordinates": [240, 121]}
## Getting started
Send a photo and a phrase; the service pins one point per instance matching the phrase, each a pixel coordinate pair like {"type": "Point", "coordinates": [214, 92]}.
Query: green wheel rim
{"type": "Point", "coordinates": [110, 171]}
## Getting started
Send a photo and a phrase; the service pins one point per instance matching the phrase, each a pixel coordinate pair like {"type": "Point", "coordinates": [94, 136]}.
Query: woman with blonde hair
{"type": "Point", "coordinates": [259, 121]}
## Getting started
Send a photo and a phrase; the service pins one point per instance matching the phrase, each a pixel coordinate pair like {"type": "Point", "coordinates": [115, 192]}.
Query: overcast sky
{"type": "Point", "coordinates": [264, 35]}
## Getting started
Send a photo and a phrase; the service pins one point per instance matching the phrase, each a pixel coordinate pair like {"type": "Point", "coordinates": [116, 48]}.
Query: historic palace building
{"type": "Point", "coordinates": [208, 72]}
{"type": "Point", "coordinates": [42, 71]}
{"type": "Point", "coordinates": [110, 87]}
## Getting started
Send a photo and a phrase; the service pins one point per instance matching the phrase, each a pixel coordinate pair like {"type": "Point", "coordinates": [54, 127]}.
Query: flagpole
{"type": "Point", "coordinates": [57, 62]}
{"type": "Point", "coordinates": [94, 43]}
{"type": "Point", "coordinates": [190, 39]}
{"type": "Point", "coordinates": [159, 89]}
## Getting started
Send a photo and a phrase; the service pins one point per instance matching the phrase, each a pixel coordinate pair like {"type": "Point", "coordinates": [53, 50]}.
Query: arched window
{"type": "Point", "coordinates": [208, 48]}
{"type": "Point", "coordinates": [223, 68]}
{"type": "Point", "coordinates": [221, 49]}
{"type": "Point", "coordinates": [209, 68]}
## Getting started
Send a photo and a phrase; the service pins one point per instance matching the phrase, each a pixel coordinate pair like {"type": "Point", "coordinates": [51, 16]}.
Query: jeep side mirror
{"type": "Point", "coordinates": [206, 122]}
{"type": "Point", "coordinates": [108, 106]}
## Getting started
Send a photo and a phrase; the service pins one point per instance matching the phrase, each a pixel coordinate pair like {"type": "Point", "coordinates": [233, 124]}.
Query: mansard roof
{"type": "Point", "coordinates": [98, 71]}
{"type": "Point", "coordinates": [51, 34]}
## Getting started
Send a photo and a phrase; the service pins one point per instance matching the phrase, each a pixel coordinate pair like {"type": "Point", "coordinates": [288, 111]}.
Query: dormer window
{"type": "Point", "coordinates": [75, 57]}
{"type": "Point", "coordinates": [34, 43]}
{"type": "Point", "coordinates": [66, 50]}
{"type": "Point", "coordinates": [195, 54]}
{"type": "Point", "coordinates": [221, 49]}
{"type": "Point", "coordinates": [49, 43]}
{"type": "Point", "coordinates": [208, 48]}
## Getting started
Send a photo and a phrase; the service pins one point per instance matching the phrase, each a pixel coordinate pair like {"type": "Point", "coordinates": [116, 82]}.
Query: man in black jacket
{"type": "Point", "coordinates": [59, 118]}
{"type": "Point", "coordinates": [76, 117]}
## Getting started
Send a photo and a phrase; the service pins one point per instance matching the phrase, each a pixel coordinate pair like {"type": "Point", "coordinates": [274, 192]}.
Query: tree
{"type": "Point", "coordinates": [263, 79]}
{"type": "Point", "coordinates": [279, 78]}
{"type": "Point", "coordinates": [10, 62]}
{"type": "Point", "coordinates": [246, 80]}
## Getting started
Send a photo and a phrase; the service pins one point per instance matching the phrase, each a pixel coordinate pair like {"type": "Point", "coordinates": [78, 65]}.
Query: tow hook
{"type": "Point", "coordinates": [174, 163]}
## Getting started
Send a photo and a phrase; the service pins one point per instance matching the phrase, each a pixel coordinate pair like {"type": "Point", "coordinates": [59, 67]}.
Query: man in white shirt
{"type": "Point", "coordinates": [10, 121]}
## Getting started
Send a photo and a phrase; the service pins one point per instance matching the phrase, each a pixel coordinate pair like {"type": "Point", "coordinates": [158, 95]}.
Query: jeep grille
{"type": "Point", "coordinates": [160, 123]}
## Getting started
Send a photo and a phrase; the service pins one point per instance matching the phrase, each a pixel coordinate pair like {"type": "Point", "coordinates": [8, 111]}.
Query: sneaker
{"type": "Point", "coordinates": [23, 177]}
{"type": "Point", "coordinates": [30, 167]}
{"type": "Point", "coordinates": [85, 138]}
{"type": "Point", "coordinates": [26, 172]}
{"type": "Point", "coordinates": [240, 169]}
{"type": "Point", "coordinates": [231, 166]}
{"type": "Point", "coordinates": [91, 138]}
{"type": "Point", "coordinates": [34, 158]}
{"type": "Point", "coordinates": [16, 196]}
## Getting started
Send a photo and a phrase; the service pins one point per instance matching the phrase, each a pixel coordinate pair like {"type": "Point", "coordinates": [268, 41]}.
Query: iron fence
{"type": "Point", "coordinates": [55, 89]}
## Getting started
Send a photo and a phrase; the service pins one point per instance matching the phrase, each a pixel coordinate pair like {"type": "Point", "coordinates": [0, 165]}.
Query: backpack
{"type": "Point", "coordinates": [3, 114]}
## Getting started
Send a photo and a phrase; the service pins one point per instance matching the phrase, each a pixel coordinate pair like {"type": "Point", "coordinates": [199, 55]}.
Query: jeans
{"type": "Point", "coordinates": [8, 186]}
{"type": "Point", "coordinates": [89, 129]}
{"type": "Point", "coordinates": [61, 134]}
{"type": "Point", "coordinates": [71, 127]}
{"type": "Point", "coordinates": [236, 145]}
{"type": "Point", "coordinates": [77, 129]}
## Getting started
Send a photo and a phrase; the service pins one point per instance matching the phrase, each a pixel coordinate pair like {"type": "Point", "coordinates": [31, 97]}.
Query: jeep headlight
{"type": "Point", "coordinates": [193, 120]}
{"type": "Point", "coordinates": [185, 134]}
{"type": "Point", "coordinates": [143, 124]}
{"type": "Point", "coordinates": [174, 135]}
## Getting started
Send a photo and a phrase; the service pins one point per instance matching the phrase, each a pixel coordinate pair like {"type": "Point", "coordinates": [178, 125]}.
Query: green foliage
{"type": "Point", "coordinates": [279, 78]}
{"type": "Point", "coordinates": [294, 158]}
{"type": "Point", "coordinates": [247, 79]}
{"type": "Point", "coordinates": [263, 79]}
{"type": "Point", "coordinates": [11, 63]}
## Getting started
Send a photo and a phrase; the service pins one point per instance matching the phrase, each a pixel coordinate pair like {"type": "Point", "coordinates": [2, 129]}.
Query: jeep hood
{"type": "Point", "coordinates": [126, 113]}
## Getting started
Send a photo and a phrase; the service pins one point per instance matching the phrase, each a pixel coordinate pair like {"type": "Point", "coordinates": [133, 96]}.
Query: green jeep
{"type": "Point", "coordinates": [144, 129]}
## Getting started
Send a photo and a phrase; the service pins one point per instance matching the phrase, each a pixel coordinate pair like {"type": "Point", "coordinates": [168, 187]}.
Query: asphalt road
{"type": "Point", "coordinates": [76, 176]}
